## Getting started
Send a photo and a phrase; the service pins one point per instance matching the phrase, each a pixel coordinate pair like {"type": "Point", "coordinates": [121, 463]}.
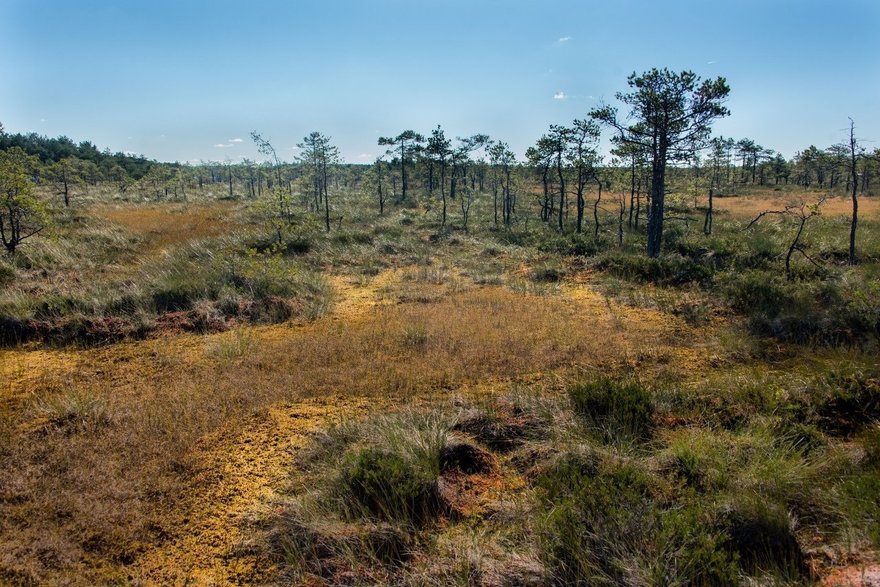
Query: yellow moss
{"type": "Point", "coordinates": [234, 422]}
{"type": "Point", "coordinates": [244, 469]}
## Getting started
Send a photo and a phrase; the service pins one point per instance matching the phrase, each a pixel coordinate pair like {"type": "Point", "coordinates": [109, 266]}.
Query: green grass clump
{"type": "Point", "coordinates": [586, 534]}
{"type": "Point", "coordinates": [617, 411]}
{"type": "Point", "coordinates": [850, 400]}
{"type": "Point", "coordinates": [7, 272]}
{"type": "Point", "coordinates": [836, 310]}
{"type": "Point", "coordinates": [389, 487]}
{"type": "Point", "coordinates": [605, 527]}
{"type": "Point", "coordinates": [666, 270]}
{"type": "Point", "coordinates": [368, 498]}
{"type": "Point", "coordinates": [352, 237]}
{"type": "Point", "coordinates": [762, 537]}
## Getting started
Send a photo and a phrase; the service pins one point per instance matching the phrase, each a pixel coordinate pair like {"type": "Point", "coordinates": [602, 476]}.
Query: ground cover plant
{"type": "Point", "coordinates": [444, 368]}
{"type": "Point", "coordinates": [525, 488]}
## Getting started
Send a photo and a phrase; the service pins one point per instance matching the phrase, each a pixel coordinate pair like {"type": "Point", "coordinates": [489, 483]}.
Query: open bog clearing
{"type": "Point", "coordinates": [150, 460]}
{"type": "Point", "coordinates": [179, 455]}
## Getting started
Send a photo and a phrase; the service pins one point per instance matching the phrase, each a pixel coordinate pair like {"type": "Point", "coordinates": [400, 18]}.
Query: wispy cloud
{"type": "Point", "coordinates": [563, 40]}
{"type": "Point", "coordinates": [221, 146]}
{"type": "Point", "coordinates": [560, 96]}
{"type": "Point", "coordinates": [711, 62]}
{"type": "Point", "coordinates": [365, 156]}
{"type": "Point", "coordinates": [236, 140]}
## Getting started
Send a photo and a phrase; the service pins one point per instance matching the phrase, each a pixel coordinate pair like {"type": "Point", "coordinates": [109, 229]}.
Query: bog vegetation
{"type": "Point", "coordinates": [652, 367]}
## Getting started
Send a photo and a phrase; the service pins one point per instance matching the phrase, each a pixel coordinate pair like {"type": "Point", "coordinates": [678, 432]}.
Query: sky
{"type": "Point", "coordinates": [180, 80]}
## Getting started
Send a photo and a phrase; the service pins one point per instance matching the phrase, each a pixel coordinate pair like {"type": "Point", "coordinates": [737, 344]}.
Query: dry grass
{"type": "Point", "coordinates": [167, 225]}
{"type": "Point", "coordinates": [186, 434]}
{"type": "Point", "coordinates": [144, 462]}
{"type": "Point", "coordinates": [752, 205]}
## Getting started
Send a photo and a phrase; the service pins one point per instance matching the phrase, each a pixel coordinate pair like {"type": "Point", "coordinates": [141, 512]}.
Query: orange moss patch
{"type": "Point", "coordinates": [166, 225]}
{"type": "Point", "coordinates": [185, 435]}
{"type": "Point", "coordinates": [856, 576]}
{"type": "Point", "coordinates": [751, 206]}
{"type": "Point", "coordinates": [239, 473]}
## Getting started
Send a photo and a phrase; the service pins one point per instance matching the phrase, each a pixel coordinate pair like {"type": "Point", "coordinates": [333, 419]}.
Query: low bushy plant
{"type": "Point", "coordinates": [762, 537]}
{"type": "Point", "coordinates": [617, 411]}
{"type": "Point", "coordinates": [666, 270]}
{"type": "Point", "coordinates": [849, 400]}
{"type": "Point", "coordinates": [7, 273]}
{"type": "Point", "coordinates": [389, 487]}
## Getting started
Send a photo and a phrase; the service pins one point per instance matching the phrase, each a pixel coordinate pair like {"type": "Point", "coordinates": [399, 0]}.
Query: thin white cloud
{"type": "Point", "coordinates": [560, 96]}
{"type": "Point", "coordinates": [711, 62]}
{"type": "Point", "coordinates": [365, 156]}
{"type": "Point", "coordinates": [236, 140]}
{"type": "Point", "coordinates": [221, 146]}
{"type": "Point", "coordinates": [563, 40]}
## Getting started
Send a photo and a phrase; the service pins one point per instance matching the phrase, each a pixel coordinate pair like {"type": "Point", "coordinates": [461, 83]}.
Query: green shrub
{"type": "Point", "coordinates": [353, 238]}
{"type": "Point", "coordinates": [298, 245]}
{"type": "Point", "coordinates": [263, 243]}
{"type": "Point", "coordinates": [7, 273]}
{"type": "Point", "coordinates": [851, 400]}
{"type": "Point", "coordinates": [579, 245]}
{"type": "Point", "coordinates": [387, 486]}
{"type": "Point", "coordinates": [860, 492]}
{"type": "Point", "coordinates": [761, 535]}
{"type": "Point", "coordinates": [568, 474]}
{"type": "Point", "coordinates": [759, 294]}
{"type": "Point", "coordinates": [667, 270]}
{"type": "Point", "coordinates": [604, 527]}
{"type": "Point", "coordinates": [616, 410]}
{"type": "Point", "coordinates": [861, 489]}
{"type": "Point", "coordinates": [15, 331]}
{"type": "Point", "coordinates": [689, 466]}
{"type": "Point", "coordinates": [595, 525]}
{"type": "Point", "coordinates": [826, 311]}
{"type": "Point", "coordinates": [693, 552]}
{"type": "Point", "coordinates": [176, 296]}
{"type": "Point", "coordinates": [871, 443]}
{"type": "Point", "coordinates": [546, 274]}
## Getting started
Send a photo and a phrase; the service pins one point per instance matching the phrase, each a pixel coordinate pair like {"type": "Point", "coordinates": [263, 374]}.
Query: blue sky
{"type": "Point", "coordinates": [185, 80]}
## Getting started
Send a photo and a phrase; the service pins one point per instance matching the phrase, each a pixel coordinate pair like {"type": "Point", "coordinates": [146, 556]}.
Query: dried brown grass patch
{"type": "Point", "coordinates": [197, 438]}
{"type": "Point", "coordinates": [752, 205]}
{"type": "Point", "coordinates": [169, 224]}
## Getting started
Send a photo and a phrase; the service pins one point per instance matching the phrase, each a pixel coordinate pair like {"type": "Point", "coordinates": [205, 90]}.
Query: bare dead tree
{"type": "Point", "coordinates": [801, 212]}
{"type": "Point", "coordinates": [853, 148]}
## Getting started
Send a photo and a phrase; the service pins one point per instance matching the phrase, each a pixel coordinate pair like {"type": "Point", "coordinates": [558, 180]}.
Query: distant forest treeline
{"type": "Point", "coordinates": [745, 163]}
{"type": "Point", "coordinates": [53, 150]}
